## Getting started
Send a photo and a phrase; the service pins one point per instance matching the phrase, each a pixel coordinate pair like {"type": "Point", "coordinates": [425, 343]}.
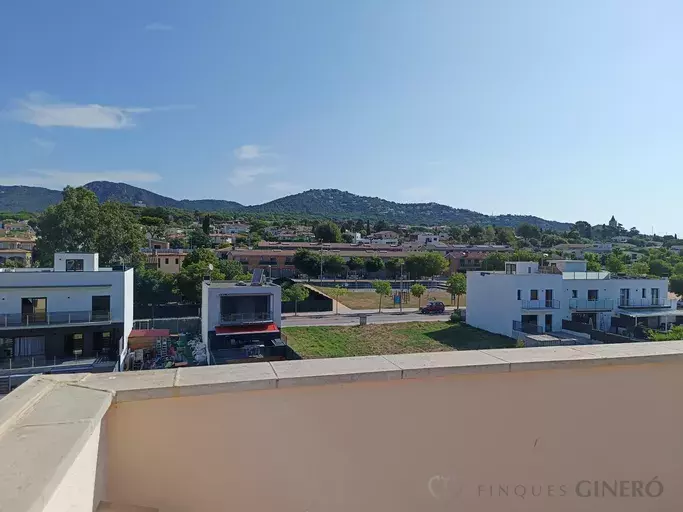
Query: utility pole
{"type": "Point", "coordinates": [400, 293]}
{"type": "Point", "coordinates": [321, 262]}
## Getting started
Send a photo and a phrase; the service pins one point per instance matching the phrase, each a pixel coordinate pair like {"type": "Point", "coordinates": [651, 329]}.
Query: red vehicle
{"type": "Point", "coordinates": [433, 307]}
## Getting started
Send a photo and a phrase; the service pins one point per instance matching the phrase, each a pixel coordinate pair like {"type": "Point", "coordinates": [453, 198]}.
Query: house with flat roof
{"type": "Point", "coordinates": [241, 321]}
{"type": "Point", "coordinates": [73, 313]}
{"type": "Point", "coordinates": [528, 299]}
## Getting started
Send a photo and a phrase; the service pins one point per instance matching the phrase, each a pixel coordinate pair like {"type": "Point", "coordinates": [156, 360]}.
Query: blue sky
{"type": "Point", "coordinates": [565, 110]}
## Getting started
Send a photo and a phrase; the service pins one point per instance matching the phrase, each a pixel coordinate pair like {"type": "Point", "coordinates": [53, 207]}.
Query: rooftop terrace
{"type": "Point", "coordinates": [568, 428]}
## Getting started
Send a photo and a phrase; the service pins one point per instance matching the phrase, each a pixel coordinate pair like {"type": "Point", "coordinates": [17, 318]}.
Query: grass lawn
{"type": "Point", "coordinates": [379, 339]}
{"type": "Point", "coordinates": [370, 300]}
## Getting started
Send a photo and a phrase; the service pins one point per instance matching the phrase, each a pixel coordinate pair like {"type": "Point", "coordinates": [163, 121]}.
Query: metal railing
{"type": "Point", "coordinates": [591, 305]}
{"type": "Point", "coordinates": [646, 303]}
{"type": "Point", "coordinates": [541, 304]}
{"type": "Point", "coordinates": [526, 328]}
{"type": "Point", "coordinates": [11, 320]}
{"type": "Point", "coordinates": [245, 318]}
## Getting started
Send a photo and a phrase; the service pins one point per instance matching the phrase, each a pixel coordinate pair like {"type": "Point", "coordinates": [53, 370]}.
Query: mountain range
{"type": "Point", "coordinates": [329, 203]}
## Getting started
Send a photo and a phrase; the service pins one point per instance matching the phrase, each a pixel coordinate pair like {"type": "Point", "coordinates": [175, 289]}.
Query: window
{"type": "Point", "coordinates": [510, 268]}
{"type": "Point", "coordinates": [462, 262]}
{"type": "Point", "coordinates": [176, 261]}
{"type": "Point", "coordinates": [655, 296]}
{"type": "Point", "coordinates": [33, 309]}
{"type": "Point", "coordinates": [592, 294]}
{"type": "Point", "coordinates": [159, 263]}
{"type": "Point", "coordinates": [101, 304]}
{"type": "Point", "coordinates": [575, 294]}
{"type": "Point", "coordinates": [519, 294]}
{"type": "Point", "coordinates": [75, 265]}
{"type": "Point", "coordinates": [166, 262]}
{"type": "Point", "coordinates": [644, 293]}
{"type": "Point", "coordinates": [533, 295]}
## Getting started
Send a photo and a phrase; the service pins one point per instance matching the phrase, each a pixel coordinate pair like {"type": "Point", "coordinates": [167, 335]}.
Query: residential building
{"type": "Point", "coordinates": [241, 321]}
{"type": "Point", "coordinates": [158, 244]}
{"type": "Point", "coordinates": [487, 248]}
{"type": "Point", "coordinates": [169, 261]}
{"type": "Point", "coordinates": [384, 235]}
{"type": "Point", "coordinates": [315, 246]}
{"type": "Point", "coordinates": [465, 261]}
{"type": "Point", "coordinates": [11, 242]}
{"type": "Point", "coordinates": [383, 241]}
{"type": "Point", "coordinates": [578, 250]}
{"type": "Point", "coordinates": [676, 248]}
{"type": "Point", "coordinates": [234, 228]}
{"type": "Point", "coordinates": [426, 238]}
{"type": "Point", "coordinates": [527, 299]}
{"type": "Point", "coordinates": [221, 238]}
{"type": "Point", "coordinates": [74, 310]}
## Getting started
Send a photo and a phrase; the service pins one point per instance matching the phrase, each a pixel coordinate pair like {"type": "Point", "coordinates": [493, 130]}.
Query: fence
{"type": "Point", "coordinates": [605, 337]}
{"type": "Point", "coordinates": [190, 325]}
{"type": "Point", "coordinates": [526, 328]}
{"type": "Point", "coordinates": [308, 305]}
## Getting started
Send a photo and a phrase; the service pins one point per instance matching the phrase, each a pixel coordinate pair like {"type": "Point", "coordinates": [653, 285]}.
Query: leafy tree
{"type": "Point", "coordinates": [504, 236]}
{"type": "Point", "coordinates": [374, 264]}
{"type": "Point", "coordinates": [328, 232]}
{"type": "Point", "coordinates": [615, 264]}
{"type": "Point", "coordinates": [675, 334]}
{"type": "Point", "coordinates": [337, 293]}
{"type": "Point", "coordinates": [80, 224]}
{"type": "Point", "coordinates": [494, 261]}
{"type": "Point", "coordinates": [347, 238]}
{"type": "Point", "coordinates": [307, 262]}
{"type": "Point", "coordinates": [355, 263]}
{"type": "Point", "coordinates": [198, 239]}
{"type": "Point", "coordinates": [528, 231]}
{"type": "Point", "coordinates": [393, 266]}
{"type": "Point", "coordinates": [660, 268]}
{"type": "Point", "coordinates": [380, 225]}
{"type": "Point", "coordinates": [178, 243]}
{"type": "Point", "coordinates": [206, 224]}
{"type": "Point", "coordinates": [418, 290]}
{"type": "Point", "coordinates": [333, 264]}
{"type": "Point", "coordinates": [678, 269]}
{"type": "Point", "coordinates": [296, 293]}
{"type": "Point", "coordinates": [151, 221]}
{"type": "Point", "coordinates": [592, 262]}
{"type": "Point", "coordinates": [457, 286]}
{"type": "Point", "coordinates": [203, 256]}
{"type": "Point", "coordinates": [188, 282]}
{"type": "Point", "coordinates": [584, 228]}
{"type": "Point", "coordinates": [524, 255]}
{"type": "Point", "coordinates": [457, 233]}
{"type": "Point", "coordinates": [152, 286]}
{"type": "Point", "coordinates": [474, 234]}
{"type": "Point", "coordinates": [426, 264]}
{"type": "Point", "coordinates": [382, 288]}
{"type": "Point", "coordinates": [13, 264]}
{"type": "Point", "coordinates": [641, 268]}
{"type": "Point", "coordinates": [233, 270]}
{"type": "Point", "coordinates": [676, 285]}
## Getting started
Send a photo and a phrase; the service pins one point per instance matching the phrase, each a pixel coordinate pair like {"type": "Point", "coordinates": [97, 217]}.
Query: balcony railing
{"type": "Point", "coordinates": [591, 305]}
{"type": "Point", "coordinates": [541, 304]}
{"type": "Point", "coordinates": [526, 328]}
{"type": "Point", "coordinates": [13, 320]}
{"type": "Point", "coordinates": [246, 318]}
{"type": "Point", "coordinates": [646, 303]}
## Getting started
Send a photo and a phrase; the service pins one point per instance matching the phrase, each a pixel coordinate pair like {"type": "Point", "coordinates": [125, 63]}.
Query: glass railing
{"type": "Point", "coordinates": [646, 303]}
{"type": "Point", "coordinates": [244, 318]}
{"type": "Point", "coordinates": [527, 328]}
{"type": "Point", "coordinates": [541, 304]}
{"type": "Point", "coordinates": [53, 318]}
{"type": "Point", "coordinates": [591, 305]}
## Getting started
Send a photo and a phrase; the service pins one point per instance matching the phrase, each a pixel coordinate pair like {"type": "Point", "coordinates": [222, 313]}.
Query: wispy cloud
{"type": "Point", "coordinates": [285, 187]}
{"type": "Point", "coordinates": [250, 152]}
{"type": "Point", "coordinates": [244, 175]}
{"type": "Point", "coordinates": [41, 110]}
{"type": "Point", "coordinates": [158, 27]}
{"type": "Point", "coordinates": [54, 178]}
{"type": "Point", "coordinates": [45, 144]}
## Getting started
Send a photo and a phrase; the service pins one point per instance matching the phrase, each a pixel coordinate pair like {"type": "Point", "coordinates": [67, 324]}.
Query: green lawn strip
{"type": "Point", "coordinates": [403, 338]}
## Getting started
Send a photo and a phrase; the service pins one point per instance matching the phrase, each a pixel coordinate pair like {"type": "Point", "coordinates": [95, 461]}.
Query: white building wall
{"type": "Point", "coordinates": [492, 302]}
{"type": "Point", "coordinates": [212, 310]}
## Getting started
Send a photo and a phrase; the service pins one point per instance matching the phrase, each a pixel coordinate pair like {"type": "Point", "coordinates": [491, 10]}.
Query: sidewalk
{"type": "Point", "coordinates": [356, 312]}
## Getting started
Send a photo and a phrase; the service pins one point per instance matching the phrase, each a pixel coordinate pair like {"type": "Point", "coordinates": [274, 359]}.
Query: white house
{"type": "Point", "coordinates": [427, 238]}
{"type": "Point", "coordinates": [75, 310]}
{"type": "Point", "coordinates": [526, 298]}
{"type": "Point", "coordinates": [234, 228]}
{"type": "Point", "coordinates": [241, 321]}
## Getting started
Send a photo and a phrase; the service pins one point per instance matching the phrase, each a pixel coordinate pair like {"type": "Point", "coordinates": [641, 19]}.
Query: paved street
{"type": "Point", "coordinates": [373, 318]}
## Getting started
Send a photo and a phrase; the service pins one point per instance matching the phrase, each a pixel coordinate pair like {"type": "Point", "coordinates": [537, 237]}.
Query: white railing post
{"type": "Point", "coordinates": [69, 318]}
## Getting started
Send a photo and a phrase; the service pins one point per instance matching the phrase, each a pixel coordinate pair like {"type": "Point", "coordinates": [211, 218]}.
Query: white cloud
{"type": "Point", "coordinates": [245, 175]}
{"type": "Point", "coordinates": [158, 27]}
{"type": "Point", "coordinates": [285, 187]}
{"type": "Point", "coordinates": [53, 178]}
{"type": "Point", "coordinates": [40, 110]}
{"type": "Point", "coordinates": [45, 144]}
{"type": "Point", "coordinates": [249, 152]}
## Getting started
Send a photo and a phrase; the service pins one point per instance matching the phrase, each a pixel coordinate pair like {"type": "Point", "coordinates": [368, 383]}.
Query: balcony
{"type": "Point", "coordinates": [347, 434]}
{"type": "Point", "coordinates": [591, 305]}
{"type": "Point", "coordinates": [541, 304]}
{"type": "Point", "coordinates": [246, 318]}
{"type": "Point", "coordinates": [652, 303]}
{"type": "Point", "coordinates": [53, 318]}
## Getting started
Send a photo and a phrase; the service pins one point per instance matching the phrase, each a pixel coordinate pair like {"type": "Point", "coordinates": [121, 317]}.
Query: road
{"type": "Point", "coordinates": [374, 318]}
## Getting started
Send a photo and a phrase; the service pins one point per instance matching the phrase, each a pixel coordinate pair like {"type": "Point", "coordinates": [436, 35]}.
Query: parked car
{"type": "Point", "coordinates": [433, 307]}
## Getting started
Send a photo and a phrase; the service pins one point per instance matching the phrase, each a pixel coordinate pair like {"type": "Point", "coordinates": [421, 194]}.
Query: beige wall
{"type": "Point", "coordinates": [407, 445]}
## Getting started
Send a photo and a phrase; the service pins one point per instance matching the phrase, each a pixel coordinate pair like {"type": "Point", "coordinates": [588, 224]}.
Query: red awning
{"type": "Point", "coordinates": [247, 329]}
{"type": "Point", "coordinates": [149, 333]}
